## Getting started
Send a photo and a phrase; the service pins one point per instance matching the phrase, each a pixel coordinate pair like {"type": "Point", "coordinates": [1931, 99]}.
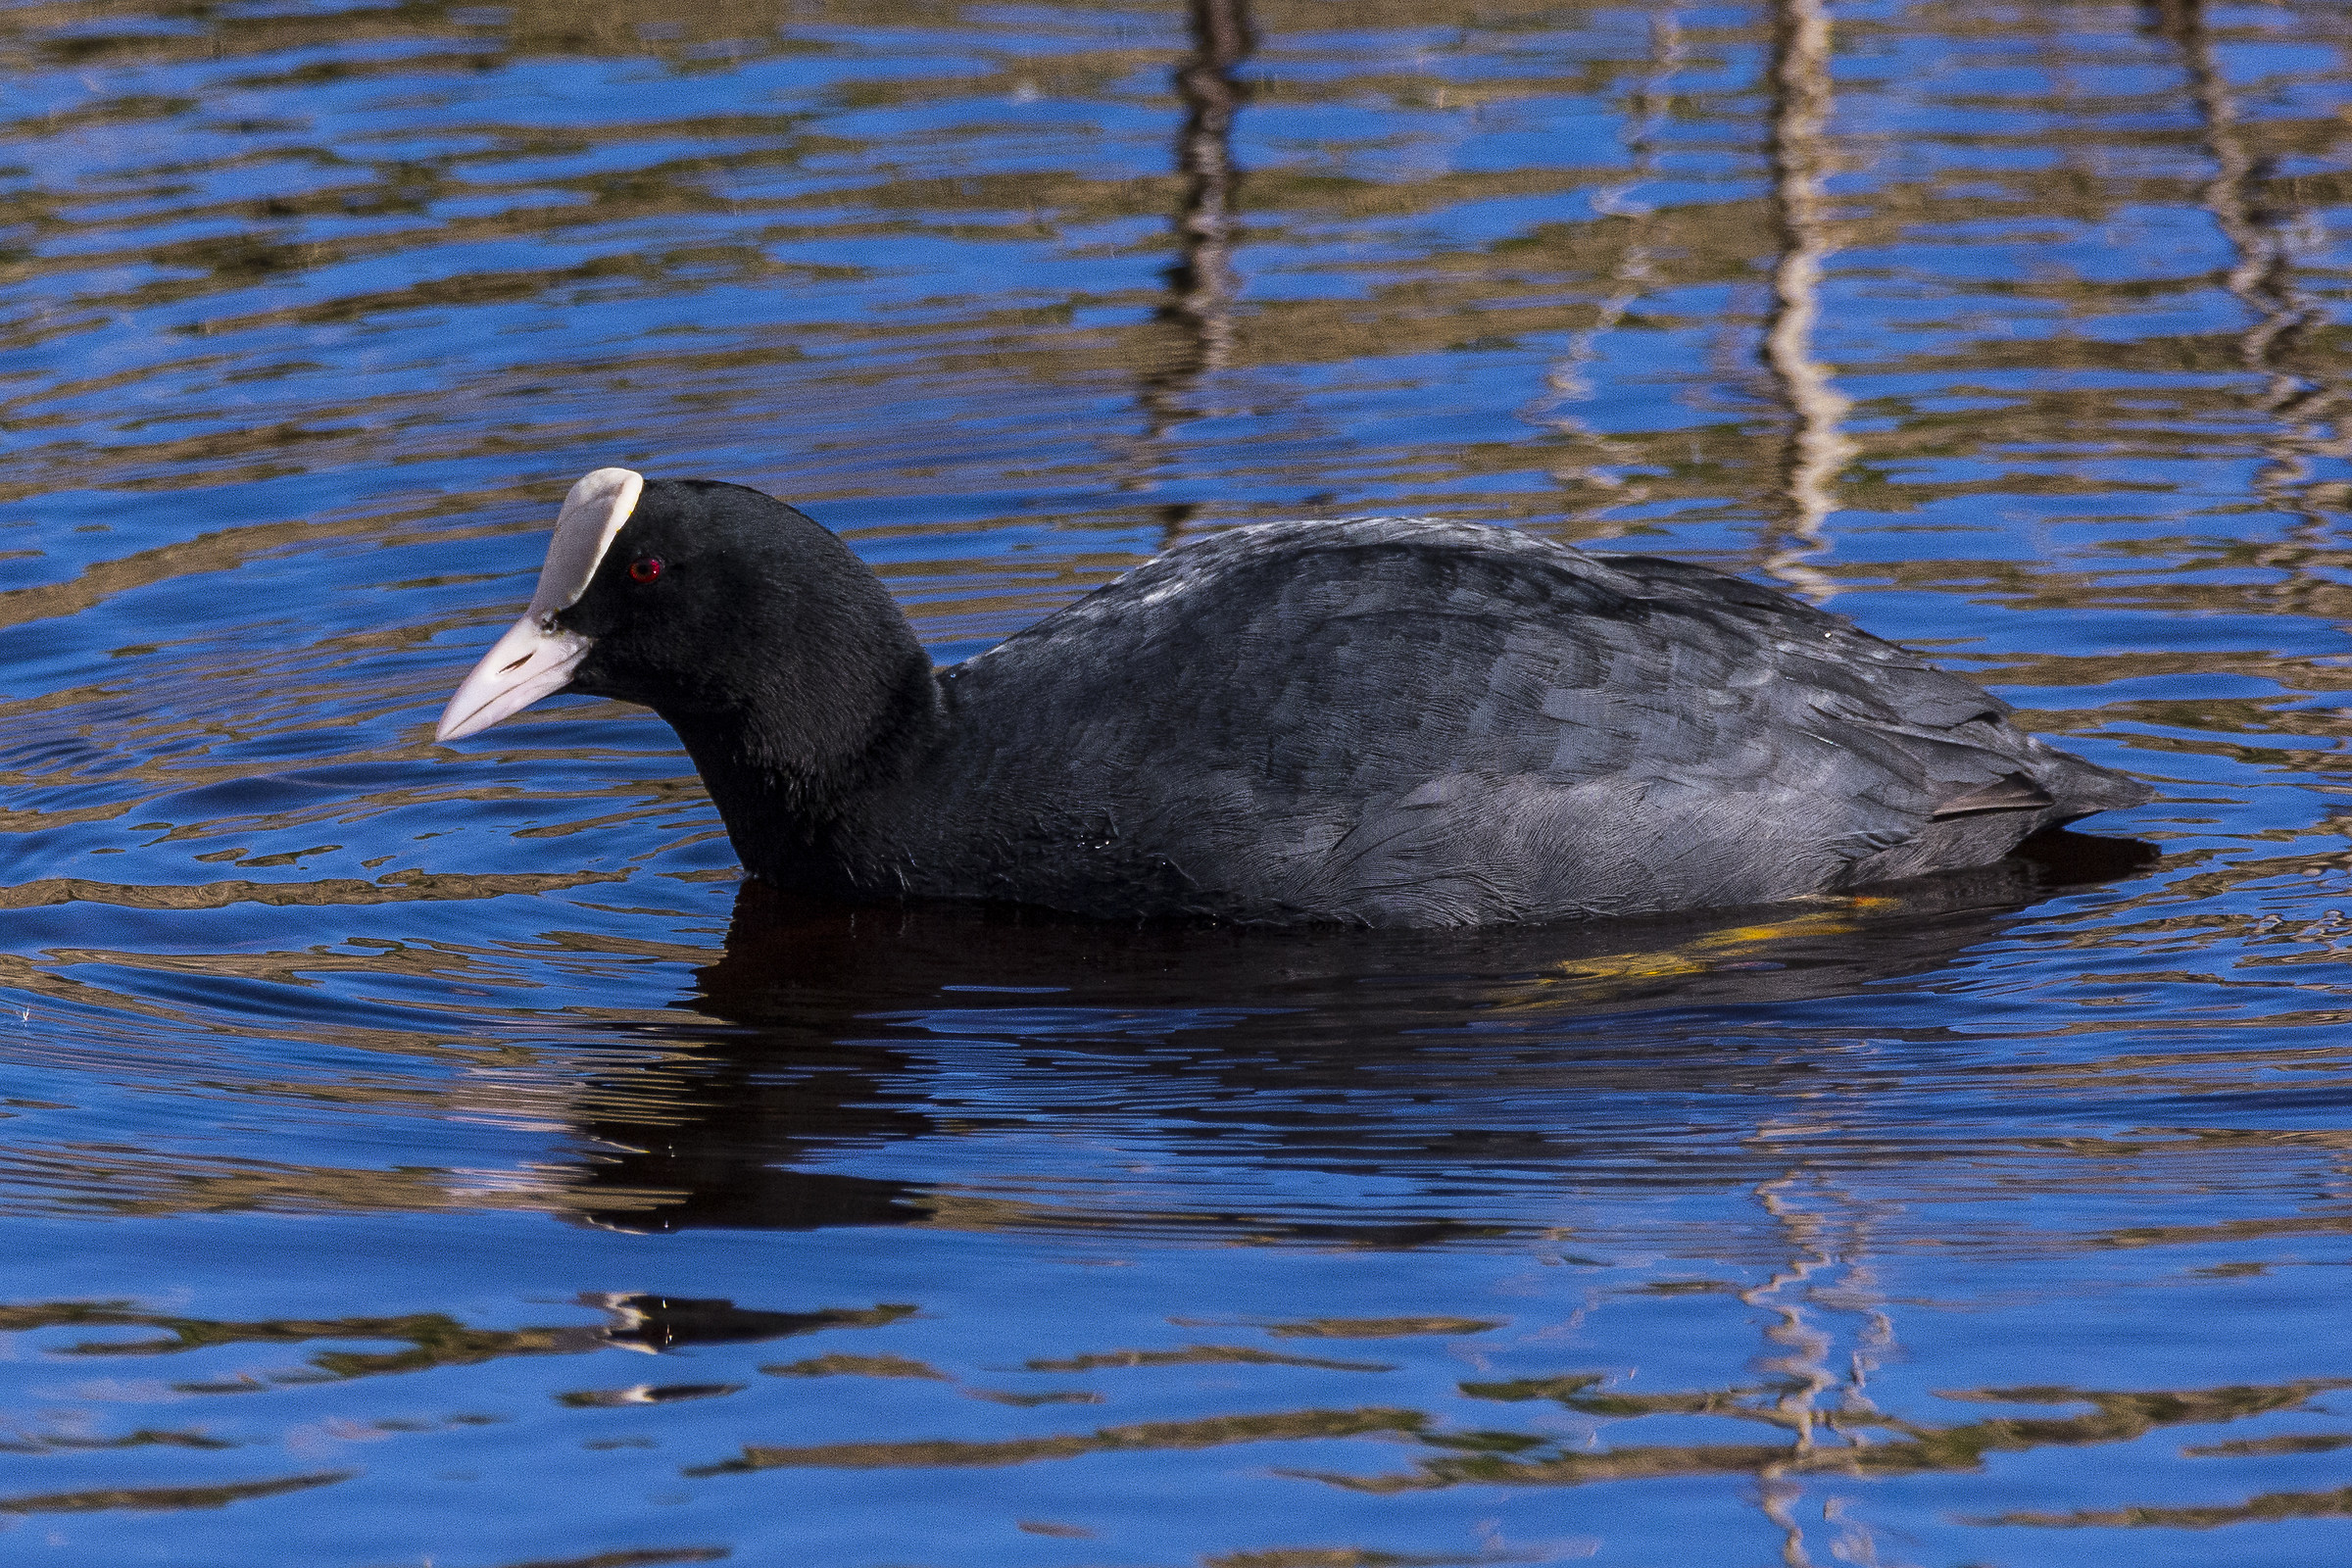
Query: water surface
{"type": "Point", "coordinates": [431, 1154]}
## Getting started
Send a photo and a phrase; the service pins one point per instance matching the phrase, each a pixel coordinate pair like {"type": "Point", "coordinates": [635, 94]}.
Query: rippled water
{"type": "Point", "coordinates": [424, 1154]}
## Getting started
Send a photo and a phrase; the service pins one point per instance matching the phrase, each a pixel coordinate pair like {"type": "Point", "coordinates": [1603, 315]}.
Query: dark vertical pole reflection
{"type": "Point", "coordinates": [2264, 240]}
{"type": "Point", "coordinates": [1201, 283]}
{"type": "Point", "coordinates": [1817, 447]}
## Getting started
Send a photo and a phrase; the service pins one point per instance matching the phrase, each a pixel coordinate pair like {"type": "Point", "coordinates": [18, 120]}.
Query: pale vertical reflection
{"type": "Point", "coordinates": [1802, 1362]}
{"type": "Point", "coordinates": [1569, 381]}
{"type": "Point", "coordinates": [1203, 283]}
{"type": "Point", "coordinates": [1829, 1271]}
{"type": "Point", "coordinates": [1817, 447]}
{"type": "Point", "coordinates": [2302, 409]}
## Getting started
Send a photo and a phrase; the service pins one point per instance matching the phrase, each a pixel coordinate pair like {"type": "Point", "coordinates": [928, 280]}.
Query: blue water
{"type": "Point", "coordinates": [431, 1155]}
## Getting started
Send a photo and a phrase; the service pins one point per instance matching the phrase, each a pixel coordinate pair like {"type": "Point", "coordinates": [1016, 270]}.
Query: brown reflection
{"type": "Point", "coordinates": [1379, 1328]}
{"type": "Point", "coordinates": [840, 1364]}
{"type": "Point", "coordinates": [632, 1321]}
{"type": "Point", "coordinates": [1507, 1457]}
{"type": "Point", "coordinates": [2257, 1448]}
{"type": "Point", "coordinates": [1197, 1356]}
{"type": "Point", "coordinates": [398, 887]}
{"type": "Point", "coordinates": [2270, 1505]}
{"type": "Point", "coordinates": [1816, 448]}
{"type": "Point", "coordinates": [158, 1499]}
{"type": "Point", "coordinates": [1203, 283]}
{"type": "Point", "coordinates": [1903, 1447]}
{"type": "Point", "coordinates": [1411, 306]}
{"type": "Point", "coordinates": [1212, 1431]}
{"type": "Point", "coordinates": [736, 189]}
{"type": "Point", "coordinates": [21, 1441]}
{"type": "Point", "coordinates": [1355, 1557]}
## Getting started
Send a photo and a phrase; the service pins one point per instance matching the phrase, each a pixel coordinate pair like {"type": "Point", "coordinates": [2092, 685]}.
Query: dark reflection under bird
{"type": "Point", "coordinates": [832, 1025]}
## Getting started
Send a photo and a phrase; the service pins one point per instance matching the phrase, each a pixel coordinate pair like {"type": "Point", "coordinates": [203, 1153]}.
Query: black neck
{"type": "Point", "coordinates": [792, 773]}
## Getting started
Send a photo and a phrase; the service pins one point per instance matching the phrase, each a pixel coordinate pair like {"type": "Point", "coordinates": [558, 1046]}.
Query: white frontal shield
{"type": "Point", "coordinates": [534, 658]}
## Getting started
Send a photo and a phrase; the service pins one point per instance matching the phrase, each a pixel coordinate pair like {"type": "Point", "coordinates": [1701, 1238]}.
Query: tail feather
{"type": "Point", "coordinates": [2011, 791]}
{"type": "Point", "coordinates": [2079, 789]}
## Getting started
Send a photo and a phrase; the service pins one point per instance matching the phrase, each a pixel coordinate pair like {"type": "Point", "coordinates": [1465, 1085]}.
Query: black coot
{"type": "Point", "coordinates": [1384, 721]}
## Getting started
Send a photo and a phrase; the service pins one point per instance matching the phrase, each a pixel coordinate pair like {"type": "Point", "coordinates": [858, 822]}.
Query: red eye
{"type": "Point", "coordinates": [646, 571]}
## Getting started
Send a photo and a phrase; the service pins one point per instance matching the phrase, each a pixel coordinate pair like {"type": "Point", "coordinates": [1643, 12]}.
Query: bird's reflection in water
{"type": "Point", "coordinates": [823, 1031]}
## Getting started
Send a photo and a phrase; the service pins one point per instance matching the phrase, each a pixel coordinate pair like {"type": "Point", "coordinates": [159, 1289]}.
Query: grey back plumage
{"type": "Point", "coordinates": [1406, 721]}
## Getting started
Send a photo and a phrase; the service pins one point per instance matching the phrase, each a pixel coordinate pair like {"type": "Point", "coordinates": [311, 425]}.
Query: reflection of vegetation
{"type": "Point", "coordinates": [839, 1364]}
{"type": "Point", "coordinates": [1145, 1436]}
{"type": "Point", "coordinates": [633, 1557]}
{"type": "Point", "coordinates": [402, 887]}
{"type": "Point", "coordinates": [1871, 1443]}
{"type": "Point", "coordinates": [1378, 1328]}
{"type": "Point", "coordinates": [158, 1499]}
{"type": "Point", "coordinates": [2250, 1447]}
{"type": "Point", "coordinates": [1197, 1356]}
{"type": "Point", "coordinates": [1907, 1447]}
{"type": "Point", "coordinates": [743, 180]}
{"type": "Point", "coordinates": [2271, 1506]}
{"type": "Point", "coordinates": [144, 1437]}
{"type": "Point", "coordinates": [1032, 1401]}
{"type": "Point", "coordinates": [1337, 1557]}
{"type": "Point", "coordinates": [434, 1339]}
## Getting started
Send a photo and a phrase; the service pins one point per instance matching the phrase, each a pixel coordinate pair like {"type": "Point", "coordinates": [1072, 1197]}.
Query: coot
{"type": "Point", "coordinates": [1393, 721]}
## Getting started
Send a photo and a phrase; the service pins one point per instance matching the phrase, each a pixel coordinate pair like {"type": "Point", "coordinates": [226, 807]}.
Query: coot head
{"type": "Point", "coordinates": [720, 607]}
